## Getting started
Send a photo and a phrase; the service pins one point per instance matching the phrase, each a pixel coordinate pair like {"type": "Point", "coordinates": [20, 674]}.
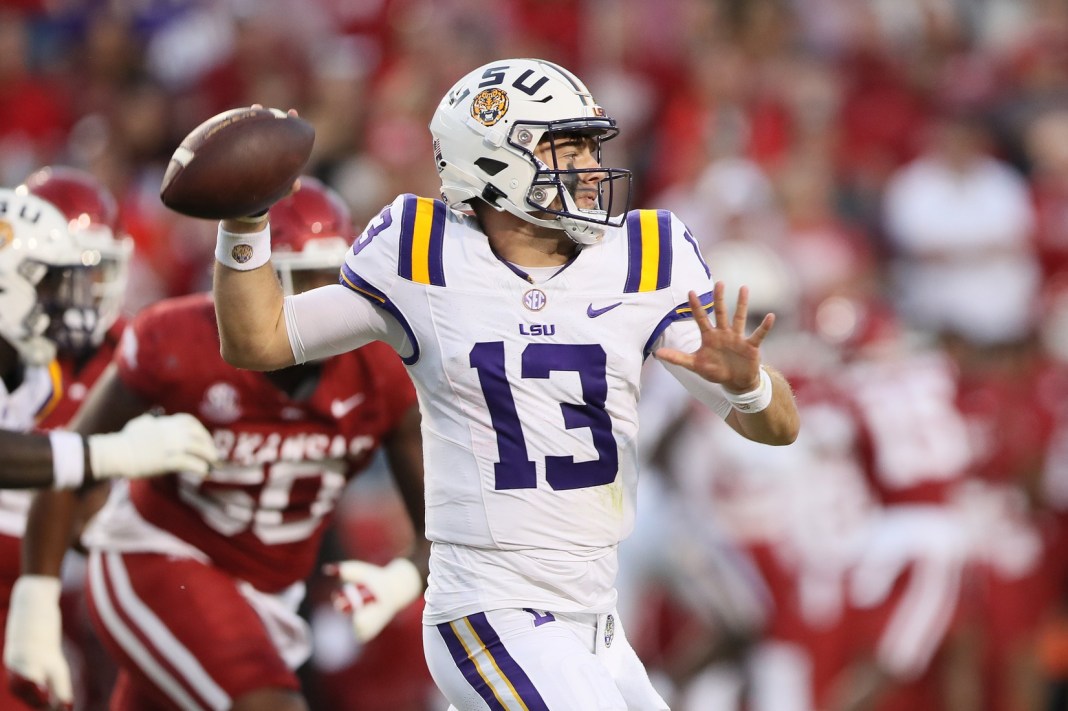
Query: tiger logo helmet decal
{"type": "Point", "coordinates": [489, 106]}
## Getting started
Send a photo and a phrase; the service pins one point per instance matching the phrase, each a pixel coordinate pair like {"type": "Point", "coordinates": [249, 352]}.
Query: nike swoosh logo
{"type": "Point", "coordinates": [340, 408]}
{"type": "Point", "coordinates": [594, 313]}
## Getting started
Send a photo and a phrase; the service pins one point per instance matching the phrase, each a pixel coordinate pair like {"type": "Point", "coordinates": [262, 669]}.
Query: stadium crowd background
{"type": "Point", "coordinates": [909, 154]}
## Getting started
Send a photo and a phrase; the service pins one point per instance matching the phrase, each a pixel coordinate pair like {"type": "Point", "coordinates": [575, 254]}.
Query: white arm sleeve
{"type": "Point", "coordinates": [332, 319]}
{"type": "Point", "coordinates": [684, 336]}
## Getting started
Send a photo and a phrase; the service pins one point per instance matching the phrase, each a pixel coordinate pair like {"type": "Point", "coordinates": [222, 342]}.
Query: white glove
{"type": "Point", "coordinates": [150, 445]}
{"type": "Point", "coordinates": [33, 646]}
{"type": "Point", "coordinates": [374, 594]}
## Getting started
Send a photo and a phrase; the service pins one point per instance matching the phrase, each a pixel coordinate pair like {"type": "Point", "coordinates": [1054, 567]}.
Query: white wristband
{"type": "Point", "coordinates": [243, 252]}
{"type": "Point", "coordinates": [756, 399]}
{"type": "Point", "coordinates": [68, 459]}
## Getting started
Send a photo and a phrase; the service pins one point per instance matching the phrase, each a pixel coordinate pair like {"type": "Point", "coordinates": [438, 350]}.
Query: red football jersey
{"type": "Point", "coordinates": [284, 459]}
{"type": "Point", "coordinates": [913, 438]}
{"type": "Point", "coordinates": [78, 378]}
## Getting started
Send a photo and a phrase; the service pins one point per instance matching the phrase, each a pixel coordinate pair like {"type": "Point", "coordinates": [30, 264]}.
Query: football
{"type": "Point", "coordinates": [237, 163]}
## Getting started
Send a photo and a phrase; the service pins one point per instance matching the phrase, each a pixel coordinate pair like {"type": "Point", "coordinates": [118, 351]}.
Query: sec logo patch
{"type": "Point", "coordinates": [535, 300]}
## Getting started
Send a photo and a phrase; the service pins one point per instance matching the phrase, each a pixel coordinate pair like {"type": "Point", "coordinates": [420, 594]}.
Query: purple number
{"type": "Point", "coordinates": [381, 222]}
{"type": "Point", "coordinates": [540, 360]}
{"type": "Point", "coordinates": [590, 362]}
{"type": "Point", "coordinates": [540, 619]}
{"type": "Point", "coordinates": [514, 470]}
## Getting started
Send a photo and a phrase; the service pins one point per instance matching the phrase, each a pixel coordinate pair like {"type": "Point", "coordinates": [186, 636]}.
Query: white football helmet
{"type": "Point", "coordinates": [92, 300]}
{"type": "Point", "coordinates": [487, 128]}
{"type": "Point", "coordinates": [36, 248]}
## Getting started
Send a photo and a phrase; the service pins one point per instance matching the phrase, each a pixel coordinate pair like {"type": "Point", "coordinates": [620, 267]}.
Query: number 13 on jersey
{"type": "Point", "coordinates": [515, 469]}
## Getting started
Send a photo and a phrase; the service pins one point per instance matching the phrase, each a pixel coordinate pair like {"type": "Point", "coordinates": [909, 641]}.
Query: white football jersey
{"type": "Point", "coordinates": [20, 411]}
{"type": "Point", "coordinates": [529, 395]}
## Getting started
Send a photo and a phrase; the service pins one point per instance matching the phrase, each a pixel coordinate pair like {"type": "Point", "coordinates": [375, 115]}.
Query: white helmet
{"type": "Point", "coordinates": [34, 243]}
{"type": "Point", "coordinates": [487, 128]}
{"type": "Point", "coordinates": [95, 297]}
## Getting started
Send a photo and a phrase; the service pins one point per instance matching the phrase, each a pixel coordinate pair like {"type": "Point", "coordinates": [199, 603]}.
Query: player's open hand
{"type": "Point", "coordinates": [726, 355]}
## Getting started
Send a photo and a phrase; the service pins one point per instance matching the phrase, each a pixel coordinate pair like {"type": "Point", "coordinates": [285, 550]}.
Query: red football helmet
{"type": "Point", "coordinates": [92, 217]}
{"type": "Point", "coordinates": [78, 195]}
{"type": "Point", "coordinates": [310, 231]}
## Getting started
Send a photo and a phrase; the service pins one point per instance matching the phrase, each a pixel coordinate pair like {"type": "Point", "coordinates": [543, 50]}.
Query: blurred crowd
{"type": "Point", "coordinates": [890, 177]}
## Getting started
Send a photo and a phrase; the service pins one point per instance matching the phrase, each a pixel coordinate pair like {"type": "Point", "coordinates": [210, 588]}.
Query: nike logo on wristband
{"type": "Point", "coordinates": [594, 313]}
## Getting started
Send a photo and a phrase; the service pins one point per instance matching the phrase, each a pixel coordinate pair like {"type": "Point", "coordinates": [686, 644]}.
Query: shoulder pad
{"type": "Point", "coordinates": [653, 238]}
{"type": "Point", "coordinates": [422, 231]}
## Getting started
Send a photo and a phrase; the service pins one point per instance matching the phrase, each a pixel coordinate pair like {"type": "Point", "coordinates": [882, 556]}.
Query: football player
{"type": "Point", "coordinates": [523, 304]}
{"type": "Point", "coordinates": [87, 337]}
{"type": "Point", "coordinates": [43, 262]}
{"type": "Point", "coordinates": [194, 582]}
{"type": "Point", "coordinates": [85, 324]}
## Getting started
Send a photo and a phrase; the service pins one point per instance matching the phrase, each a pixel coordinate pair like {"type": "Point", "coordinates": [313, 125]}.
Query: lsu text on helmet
{"type": "Point", "coordinates": [93, 219]}
{"type": "Point", "coordinates": [486, 131]}
{"type": "Point", "coordinates": [311, 230]}
{"type": "Point", "coordinates": [37, 253]}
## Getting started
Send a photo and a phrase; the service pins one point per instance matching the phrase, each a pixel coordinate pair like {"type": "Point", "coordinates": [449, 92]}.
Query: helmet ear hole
{"type": "Point", "coordinates": [490, 166]}
{"type": "Point", "coordinates": [491, 194]}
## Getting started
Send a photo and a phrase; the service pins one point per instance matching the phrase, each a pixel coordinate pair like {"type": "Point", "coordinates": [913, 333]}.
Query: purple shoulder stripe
{"type": "Point", "coordinates": [682, 311]}
{"type": "Point", "coordinates": [354, 282]}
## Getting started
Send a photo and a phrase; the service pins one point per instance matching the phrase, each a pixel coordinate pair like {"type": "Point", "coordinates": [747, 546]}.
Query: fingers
{"type": "Point", "coordinates": [354, 570]}
{"type": "Point", "coordinates": [202, 446]}
{"type": "Point", "coordinates": [360, 596]}
{"type": "Point", "coordinates": [294, 188]}
{"type": "Point", "coordinates": [676, 357]}
{"type": "Point", "coordinates": [719, 304]}
{"type": "Point", "coordinates": [62, 692]}
{"type": "Point", "coordinates": [741, 314]}
{"type": "Point", "coordinates": [342, 602]}
{"type": "Point", "coordinates": [761, 331]}
{"type": "Point", "coordinates": [741, 310]}
{"type": "Point", "coordinates": [193, 446]}
{"type": "Point", "coordinates": [699, 313]}
{"type": "Point", "coordinates": [31, 693]}
{"type": "Point", "coordinates": [190, 464]}
{"type": "Point", "coordinates": [189, 421]}
{"type": "Point", "coordinates": [700, 310]}
{"type": "Point", "coordinates": [291, 112]}
{"type": "Point", "coordinates": [38, 695]}
{"type": "Point", "coordinates": [192, 433]}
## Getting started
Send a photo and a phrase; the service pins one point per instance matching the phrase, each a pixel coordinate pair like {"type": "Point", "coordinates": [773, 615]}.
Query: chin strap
{"type": "Point", "coordinates": [582, 232]}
